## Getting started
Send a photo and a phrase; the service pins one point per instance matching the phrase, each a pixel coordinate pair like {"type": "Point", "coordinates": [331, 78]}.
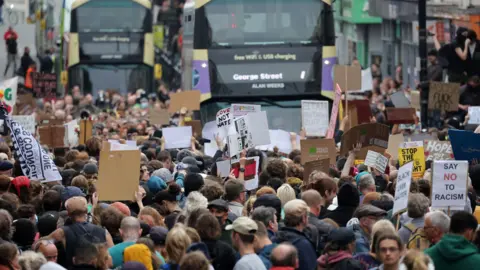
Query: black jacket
{"type": "Point", "coordinates": [223, 255]}
{"type": "Point", "coordinates": [83, 267]}
{"type": "Point", "coordinates": [307, 256]}
{"type": "Point", "coordinates": [25, 62]}
{"type": "Point", "coordinates": [348, 201]}
{"type": "Point", "coordinates": [322, 228]}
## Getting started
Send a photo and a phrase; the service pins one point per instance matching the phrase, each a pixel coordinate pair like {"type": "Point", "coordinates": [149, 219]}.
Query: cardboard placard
{"type": "Point", "coordinates": [415, 100]}
{"type": "Point", "coordinates": [196, 127]}
{"type": "Point", "coordinates": [44, 84]}
{"type": "Point", "coordinates": [159, 117]}
{"type": "Point", "coordinates": [373, 134]}
{"type": "Point", "coordinates": [443, 96]}
{"type": "Point", "coordinates": [437, 150]}
{"type": "Point", "coordinates": [349, 78]}
{"type": "Point", "coordinates": [316, 149]}
{"type": "Point", "coordinates": [118, 174]}
{"type": "Point", "coordinates": [359, 112]}
{"type": "Point", "coordinates": [52, 135]}
{"type": "Point", "coordinates": [394, 142]}
{"type": "Point", "coordinates": [188, 99]}
{"type": "Point", "coordinates": [322, 165]}
{"type": "Point", "coordinates": [86, 131]}
{"type": "Point", "coordinates": [401, 115]}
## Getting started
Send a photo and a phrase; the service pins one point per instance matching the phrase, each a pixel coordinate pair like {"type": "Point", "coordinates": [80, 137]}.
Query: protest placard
{"type": "Point", "coordinates": [250, 175]}
{"type": "Point", "coordinates": [443, 96]}
{"type": "Point", "coordinates": [52, 135]}
{"type": "Point", "coordinates": [437, 150]}
{"type": "Point", "coordinates": [159, 117]}
{"type": "Point", "coordinates": [118, 174]}
{"type": "Point", "coordinates": [415, 100]}
{"type": "Point", "coordinates": [334, 114]}
{"type": "Point", "coordinates": [188, 99]}
{"type": "Point", "coordinates": [372, 134]}
{"type": "Point", "coordinates": [238, 110]}
{"type": "Point", "coordinates": [321, 165]}
{"type": "Point", "coordinates": [86, 130]}
{"type": "Point", "coordinates": [367, 80]}
{"type": "Point", "coordinates": [401, 115]}
{"type": "Point", "coordinates": [210, 130]}
{"type": "Point", "coordinates": [315, 117]}
{"type": "Point", "coordinates": [27, 122]}
{"type": "Point", "coordinates": [44, 85]}
{"type": "Point", "coordinates": [449, 183]}
{"type": "Point", "coordinates": [223, 120]}
{"type": "Point", "coordinates": [359, 112]}
{"type": "Point", "coordinates": [465, 145]}
{"type": "Point", "coordinates": [177, 137]}
{"type": "Point", "coordinates": [248, 131]}
{"type": "Point", "coordinates": [474, 115]}
{"type": "Point", "coordinates": [376, 160]}
{"type": "Point", "coordinates": [349, 78]}
{"type": "Point", "coordinates": [402, 189]}
{"type": "Point", "coordinates": [280, 139]}
{"type": "Point", "coordinates": [196, 127]}
{"type": "Point", "coordinates": [316, 149]}
{"type": "Point", "coordinates": [413, 151]}
{"type": "Point", "coordinates": [399, 100]}
{"type": "Point", "coordinates": [394, 142]}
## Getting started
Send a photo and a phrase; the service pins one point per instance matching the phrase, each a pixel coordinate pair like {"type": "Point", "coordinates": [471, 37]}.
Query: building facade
{"type": "Point", "coordinates": [357, 32]}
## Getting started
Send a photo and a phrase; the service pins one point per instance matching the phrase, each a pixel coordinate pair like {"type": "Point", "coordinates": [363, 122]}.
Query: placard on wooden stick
{"type": "Point", "coordinates": [188, 99]}
{"type": "Point", "coordinates": [86, 130]}
{"type": "Point", "coordinates": [443, 96]}
{"type": "Point", "coordinates": [118, 174]}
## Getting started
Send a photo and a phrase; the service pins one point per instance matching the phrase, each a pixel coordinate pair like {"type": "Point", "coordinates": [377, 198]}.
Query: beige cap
{"type": "Point", "coordinates": [76, 204]}
{"type": "Point", "coordinates": [243, 225]}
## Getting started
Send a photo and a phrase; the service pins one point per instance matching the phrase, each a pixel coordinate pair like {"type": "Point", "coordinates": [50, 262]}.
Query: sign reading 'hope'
{"type": "Point", "coordinates": [449, 183]}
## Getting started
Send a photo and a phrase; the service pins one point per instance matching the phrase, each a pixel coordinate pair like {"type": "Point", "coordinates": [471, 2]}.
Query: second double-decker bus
{"type": "Point", "coordinates": [110, 45]}
{"type": "Point", "coordinates": [269, 52]}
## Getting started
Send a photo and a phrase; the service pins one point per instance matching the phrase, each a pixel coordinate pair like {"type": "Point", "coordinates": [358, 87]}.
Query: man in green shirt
{"type": "Point", "coordinates": [130, 231]}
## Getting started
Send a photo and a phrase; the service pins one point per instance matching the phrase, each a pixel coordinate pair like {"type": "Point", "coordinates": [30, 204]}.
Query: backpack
{"type": "Point", "coordinates": [78, 233]}
{"type": "Point", "coordinates": [418, 239]}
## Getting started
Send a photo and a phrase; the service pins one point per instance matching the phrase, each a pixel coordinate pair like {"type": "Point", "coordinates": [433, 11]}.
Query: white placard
{"type": "Point", "coordinates": [449, 183]}
{"type": "Point", "coordinates": [367, 80]}
{"type": "Point", "coordinates": [238, 110]}
{"type": "Point", "coordinates": [210, 130]}
{"type": "Point", "coordinates": [248, 131]}
{"type": "Point", "coordinates": [402, 189]}
{"type": "Point", "coordinates": [474, 114]}
{"type": "Point", "coordinates": [223, 120]}
{"type": "Point", "coordinates": [210, 148]}
{"type": "Point", "coordinates": [177, 137]}
{"type": "Point", "coordinates": [315, 117]}
{"type": "Point", "coordinates": [376, 160]}
{"type": "Point", "coordinates": [411, 144]}
{"type": "Point", "coordinates": [280, 139]}
{"type": "Point", "coordinates": [27, 122]}
{"type": "Point", "coordinates": [121, 147]}
{"type": "Point", "coordinates": [223, 168]}
{"type": "Point", "coordinates": [71, 137]}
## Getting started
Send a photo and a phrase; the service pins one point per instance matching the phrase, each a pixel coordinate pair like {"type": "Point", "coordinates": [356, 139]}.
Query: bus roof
{"type": "Point", "coordinates": [145, 3]}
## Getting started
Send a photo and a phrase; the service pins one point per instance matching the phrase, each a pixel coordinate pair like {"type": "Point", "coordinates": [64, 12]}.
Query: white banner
{"type": "Point", "coordinates": [35, 161]}
{"type": "Point", "coordinates": [8, 93]}
{"type": "Point", "coordinates": [402, 189]}
{"type": "Point", "coordinates": [449, 183]}
{"type": "Point", "coordinates": [26, 121]}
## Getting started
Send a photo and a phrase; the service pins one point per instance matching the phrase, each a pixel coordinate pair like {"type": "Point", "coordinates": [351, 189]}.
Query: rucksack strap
{"type": "Point", "coordinates": [411, 227]}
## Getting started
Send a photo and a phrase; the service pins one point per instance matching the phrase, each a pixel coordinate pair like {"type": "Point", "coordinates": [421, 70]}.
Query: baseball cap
{"type": "Point", "coordinates": [365, 210]}
{"type": "Point", "coordinates": [341, 236]}
{"type": "Point", "coordinates": [164, 174]}
{"type": "Point", "coordinates": [47, 223]}
{"type": "Point", "coordinates": [71, 191]}
{"type": "Point", "coordinates": [219, 204]}
{"type": "Point", "coordinates": [191, 161]}
{"type": "Point", "coordinates": [90, 168]}
{"type": "Point", "coordinates": [158, 235]}
{"type": "Point", "coordinates": [243, 225]}
{"type": "Point", "coordinates": [269, 200]}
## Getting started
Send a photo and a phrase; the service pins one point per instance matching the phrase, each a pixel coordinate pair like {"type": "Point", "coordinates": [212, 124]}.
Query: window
{"type": "Point", "coordinates": [111, 16]}
{"type": "Point", "coordinates": [253, 22]}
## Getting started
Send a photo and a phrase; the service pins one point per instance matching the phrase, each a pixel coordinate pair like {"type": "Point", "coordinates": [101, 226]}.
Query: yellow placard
{"type": "Point", "coordinates": [359, 161]}
{"type": "Point", "coordinates": [413, 151]}
{"type": "Point", "coordinates": [64, 77]}
{"type": "Point", "coordinates": [158, 71]}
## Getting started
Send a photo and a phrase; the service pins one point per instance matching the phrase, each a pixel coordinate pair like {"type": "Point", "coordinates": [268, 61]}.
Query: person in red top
{"type": "Point", "coordinates": [10, 38]}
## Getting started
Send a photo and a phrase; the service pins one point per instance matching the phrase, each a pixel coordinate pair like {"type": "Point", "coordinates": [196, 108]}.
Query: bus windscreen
{"type": "Point", "coordinates": [250, 22]}
{"type": "Point", "coordinates": [111, 16]}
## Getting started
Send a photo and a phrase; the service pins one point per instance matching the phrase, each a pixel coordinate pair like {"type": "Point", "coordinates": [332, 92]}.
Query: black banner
{"type": "Point", "coordinates": [44, 85]}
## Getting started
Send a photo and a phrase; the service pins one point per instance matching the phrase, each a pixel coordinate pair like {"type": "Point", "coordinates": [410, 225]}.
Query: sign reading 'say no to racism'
{"type": "Point", "coordinates": [449, 183]}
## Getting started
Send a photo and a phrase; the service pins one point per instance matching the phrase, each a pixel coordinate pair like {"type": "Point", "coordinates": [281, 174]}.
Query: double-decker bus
{"type": "Point", "coordinates": [110, 45]}
{"type": "Point", "coordinates": [269, 52]}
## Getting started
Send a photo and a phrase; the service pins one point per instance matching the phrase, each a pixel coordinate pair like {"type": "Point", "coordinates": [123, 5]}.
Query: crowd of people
{"type": "Point", "coordinates": [184, 216]}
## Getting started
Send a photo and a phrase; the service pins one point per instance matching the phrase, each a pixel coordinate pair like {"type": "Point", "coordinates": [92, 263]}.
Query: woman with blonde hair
{"type": "Point", "coordinates": [369, 259]}
{"type": "Point", "coordinates": [416, 260]}
{"type": "Point", "coordinates": [286, 193]}
{"type": "Point", "coordinates": [176, 247]}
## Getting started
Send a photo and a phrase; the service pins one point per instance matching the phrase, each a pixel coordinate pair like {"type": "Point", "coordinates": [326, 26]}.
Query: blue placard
{"type": "Point", "coordinates": [465, 145]}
